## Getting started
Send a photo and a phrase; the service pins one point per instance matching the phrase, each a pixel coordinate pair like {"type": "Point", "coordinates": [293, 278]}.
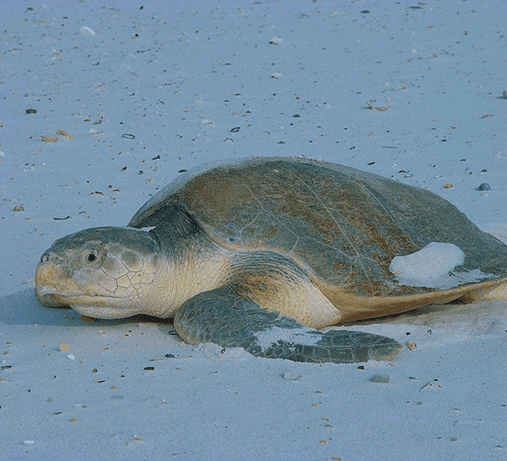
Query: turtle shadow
{"type": "Point", "coordinates": [23, 308]}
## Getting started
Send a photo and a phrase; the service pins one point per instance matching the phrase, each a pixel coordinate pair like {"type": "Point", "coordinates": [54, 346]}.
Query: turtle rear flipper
{"type": "Point", "coordinates": [224, 318]}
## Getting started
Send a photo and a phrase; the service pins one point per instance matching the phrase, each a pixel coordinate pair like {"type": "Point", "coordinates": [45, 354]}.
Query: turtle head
{"type": "Point", "coordinates": [102, 272]}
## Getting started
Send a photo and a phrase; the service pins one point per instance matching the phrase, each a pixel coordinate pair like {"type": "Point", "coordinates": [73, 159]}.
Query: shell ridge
{"type": "Point", "coordinates": [365, 188]}
{"type": "Point", "coordinates": [358, 255]}
{"type": "Point", "coordinates": [268, 212]}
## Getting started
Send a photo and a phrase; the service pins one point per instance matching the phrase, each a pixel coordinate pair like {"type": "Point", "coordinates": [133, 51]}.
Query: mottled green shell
{"type": "Point", "coordinates": [342, 225]}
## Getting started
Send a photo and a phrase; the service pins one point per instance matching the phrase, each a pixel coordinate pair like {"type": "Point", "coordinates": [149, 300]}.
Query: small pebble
{"type": "Point", "coordinates": [64, 347]}
{"type": "Point", "coordinates": [412, 346]}
{"type": "Point", "coordinates": [381, 378]}
{"type": "Point", "coordinates": [449, 185]}
{"type": "Point", "coordinates": [135, 439]}
{"type": "Point", "coordinates": [28, 442]}
{"type": "Point", "coordinates": [18, 208]}
{"type": "Point", "coordinates": [484, 186]}
{"type": "Point", "coordinates": [235, 129]}
{"type": "Point", "coordinates": [83, 318]}
{"type": "Point", "coordinates": [31, 111]}
{"type": "Point", "coordinates": [290, 376]}
{"type": "Point", "coordinates": [71, 357]}
{"type": "Point", "coordinates": [87, 30]}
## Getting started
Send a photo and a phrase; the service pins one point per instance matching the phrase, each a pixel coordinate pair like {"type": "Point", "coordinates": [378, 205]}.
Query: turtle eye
{"type": "Point", "coordinates": [91, 255]}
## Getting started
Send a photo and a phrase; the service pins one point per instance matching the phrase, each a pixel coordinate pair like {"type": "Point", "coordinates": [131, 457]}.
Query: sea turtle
{"type": "Point", "coordinates": [261, 253]}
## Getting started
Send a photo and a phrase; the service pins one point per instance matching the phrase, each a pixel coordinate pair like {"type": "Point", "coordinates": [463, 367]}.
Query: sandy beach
{"type": "Point", "coordinates": [104, 103]}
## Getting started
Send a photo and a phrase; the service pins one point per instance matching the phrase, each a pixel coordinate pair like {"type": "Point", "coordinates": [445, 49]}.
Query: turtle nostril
{"type": "Point", "coordinates": [45, 258]}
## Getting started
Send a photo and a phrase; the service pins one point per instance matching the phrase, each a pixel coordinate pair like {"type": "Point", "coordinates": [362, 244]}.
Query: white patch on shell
{"type": "Point", "coordinates": [303, 336]}
{"type": "Point", "coordinates": [433, 267]}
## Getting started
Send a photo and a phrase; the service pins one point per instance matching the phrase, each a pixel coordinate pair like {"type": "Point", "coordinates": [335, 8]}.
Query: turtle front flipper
{"type": "Point", "coordinates": [222, 317]}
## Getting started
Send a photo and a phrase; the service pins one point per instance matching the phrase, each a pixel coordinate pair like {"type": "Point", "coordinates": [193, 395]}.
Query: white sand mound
{"type": "Point", "coordinates": [434, 267]}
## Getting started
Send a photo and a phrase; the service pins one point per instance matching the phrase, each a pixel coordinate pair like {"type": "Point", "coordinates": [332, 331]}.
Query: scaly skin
{"type": "Point", "coordinates": [254, 247]}
{"type": "Point", "coordinates": [119, 272]}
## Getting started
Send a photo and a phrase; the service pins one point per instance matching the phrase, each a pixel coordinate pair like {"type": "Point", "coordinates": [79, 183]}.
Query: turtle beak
{"type": "Point", "coordinates": [47, 275]}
